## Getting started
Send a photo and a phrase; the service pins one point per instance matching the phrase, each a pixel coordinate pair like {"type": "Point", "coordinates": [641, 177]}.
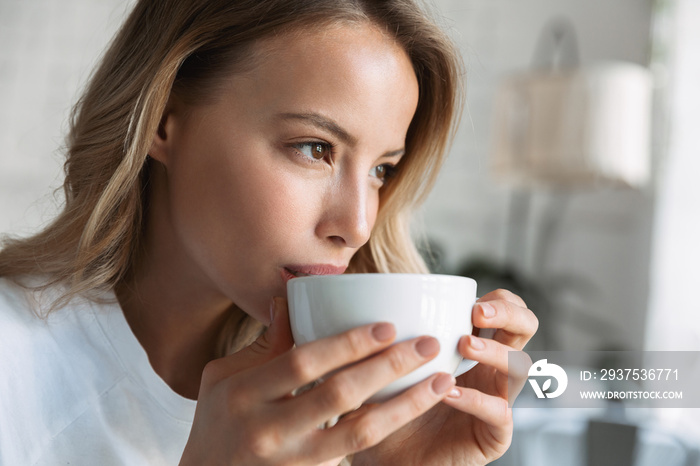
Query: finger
{"type": "Point", "coordinates": [349, 388]}
{"type": "Point", "coordinates": [505, 295]}
{"type": "Point", "coordinates": [493, 410]}
{"type": "Point", "coordinates": [278, 337]}
{"type": "Point", "coordinates": [311, 361]}
{"type": "Point", "coordinates": [375, 424]}
{"type": "Point", "coordinates": [519, 363]}
{"type": "Point", "coordinates": [515, 324]}
{"type": "Point", "coordinates": [356, 412]}
{"type": "Point", "coordinates": [512, 364]}
{"type": "Point", "coordinates": [485, 351]}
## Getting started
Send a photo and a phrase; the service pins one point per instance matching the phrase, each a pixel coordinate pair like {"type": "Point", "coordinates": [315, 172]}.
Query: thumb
{"type": "Point", "coordinates": [277, 339]}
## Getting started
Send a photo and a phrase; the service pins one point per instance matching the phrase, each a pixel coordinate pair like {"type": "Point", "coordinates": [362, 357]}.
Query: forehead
{"type": "Point", "coordinates": [349, 47]}
{"type": "Point", "coordinates": [343, 69]}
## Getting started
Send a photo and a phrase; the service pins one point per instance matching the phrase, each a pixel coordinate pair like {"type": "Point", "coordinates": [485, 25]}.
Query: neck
{"type": "Point", "coordinates": [179, 336]}
{"type": "Point", "coordinates": [175, 313]}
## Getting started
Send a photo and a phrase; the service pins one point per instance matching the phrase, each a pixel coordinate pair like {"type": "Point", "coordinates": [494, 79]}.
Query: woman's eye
{"type": "Point", "coordinates": [383, 172]}
{"type": "Point", "coordinates": [314, 150]}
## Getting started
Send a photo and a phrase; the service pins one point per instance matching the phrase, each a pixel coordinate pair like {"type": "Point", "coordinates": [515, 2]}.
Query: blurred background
{"type": "Point", "coordinates": [573, 181]}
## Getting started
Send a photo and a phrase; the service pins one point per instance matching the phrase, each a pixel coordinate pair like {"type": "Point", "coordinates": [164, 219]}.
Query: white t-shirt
{"type": "Point", "coordinates": [78, 389]}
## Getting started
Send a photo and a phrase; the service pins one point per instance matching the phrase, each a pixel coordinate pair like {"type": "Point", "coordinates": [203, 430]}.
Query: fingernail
{"type": "Point", "coordinates": [487, 310]}
{"type": "Point", "coordinates": [383, 331]}
{"type": "Point", "coordinates": [476, 343]}
{"type": "Point", "coordinates": [454, 393]}
{"type": "Point", "coordinates": [427, 347]}
{"type": "Point", "coordinates": [442, 383]}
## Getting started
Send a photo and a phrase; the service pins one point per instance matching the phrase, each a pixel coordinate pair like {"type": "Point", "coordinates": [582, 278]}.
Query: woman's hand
{"type": "Point", "coordinates": [246, 413]}
{"type": "Point", "coordinates": [474, 424]}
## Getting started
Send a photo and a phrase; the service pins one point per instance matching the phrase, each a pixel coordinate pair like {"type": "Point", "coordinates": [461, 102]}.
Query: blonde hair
{"type": "Point", "coordinates": [186, 47]}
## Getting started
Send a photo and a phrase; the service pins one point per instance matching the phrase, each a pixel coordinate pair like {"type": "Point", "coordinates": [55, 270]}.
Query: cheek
{"type": "Point", "coordinates": [284, 210]}
{"type": "Point", "coordinates": [242, 206]}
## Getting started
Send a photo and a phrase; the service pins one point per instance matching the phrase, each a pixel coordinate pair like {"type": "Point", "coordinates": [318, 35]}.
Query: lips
{"type": "Point", "coordinates": [294, 271]}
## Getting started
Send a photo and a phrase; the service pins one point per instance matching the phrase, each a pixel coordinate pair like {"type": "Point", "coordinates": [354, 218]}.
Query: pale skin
{"type": "Point", "coordinates": [246, 190]}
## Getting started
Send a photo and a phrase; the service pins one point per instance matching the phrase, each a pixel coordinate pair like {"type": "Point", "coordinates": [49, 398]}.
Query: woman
{"type": "Point", "coordinates": [222, 148]}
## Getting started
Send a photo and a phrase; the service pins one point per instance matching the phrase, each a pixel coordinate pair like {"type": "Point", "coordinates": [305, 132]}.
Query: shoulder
{"type": "Point", "coordinates": [24, 350]}
{"type": "Point", "coordinates": [12, 296]}
{"type": "Point", "coordinates": [19, 314]}
{"type": "Point", "coordinates": [23, 299]}
{"type": "Point", "coordinates": [46, 365]}
{"type": "Point", "coordinates": [29, 336]}
{"type": "Point", "coordinates": [23, 321]}
{"type": "Point", "coordinates": [34, 345]}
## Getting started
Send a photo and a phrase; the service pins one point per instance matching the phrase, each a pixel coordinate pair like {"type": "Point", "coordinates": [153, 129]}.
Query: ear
{"type": "Point", "coordinates": [161, 146]}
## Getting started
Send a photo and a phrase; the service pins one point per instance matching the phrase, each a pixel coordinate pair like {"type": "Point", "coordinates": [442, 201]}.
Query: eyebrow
{"type": "Point", "coordinates": [331, 126]}
{"type": "Point", "coordinates": [322, 122]}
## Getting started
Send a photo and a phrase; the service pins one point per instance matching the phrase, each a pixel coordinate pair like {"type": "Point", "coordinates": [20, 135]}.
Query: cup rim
{"type": "Point", "coordinates": [383, 276]}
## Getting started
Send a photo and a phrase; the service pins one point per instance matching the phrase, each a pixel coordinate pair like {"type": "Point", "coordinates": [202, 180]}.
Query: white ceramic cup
{"type": "Point", "coordinates": [417, 304]}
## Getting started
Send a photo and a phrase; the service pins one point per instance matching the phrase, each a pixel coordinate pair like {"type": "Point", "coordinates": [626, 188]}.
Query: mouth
{"type": "Point", "coordinates": [295, 271]}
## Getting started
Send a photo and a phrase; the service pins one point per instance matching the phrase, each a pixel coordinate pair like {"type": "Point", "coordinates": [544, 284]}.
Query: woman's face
{"type": "Point", "coordinates": [280, 175]}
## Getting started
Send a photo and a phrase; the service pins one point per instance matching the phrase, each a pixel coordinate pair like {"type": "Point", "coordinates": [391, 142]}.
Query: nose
{"type": "Point", "coordinates": [349, 213]}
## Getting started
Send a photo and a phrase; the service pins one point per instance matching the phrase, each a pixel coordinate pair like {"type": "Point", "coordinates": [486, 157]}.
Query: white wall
{"type": "Point", "coordinates": [604, 239]}
{"type": "Point", "coordinates": [674, 310]}
{"type": "Point", "coordinates": [47, 49]}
